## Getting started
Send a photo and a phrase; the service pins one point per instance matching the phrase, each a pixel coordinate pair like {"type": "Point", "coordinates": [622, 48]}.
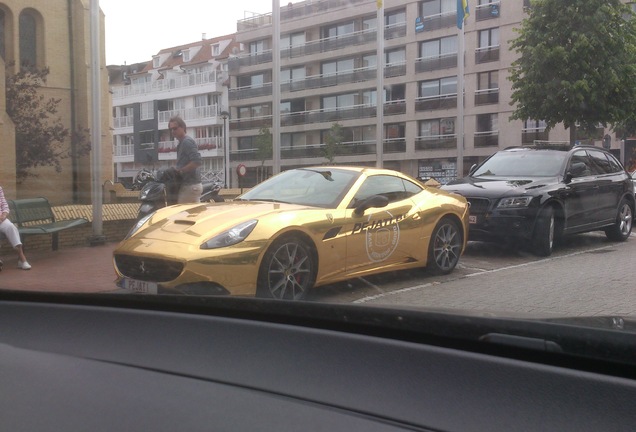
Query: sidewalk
{"type": "Point", "coordinates": [86, 269]}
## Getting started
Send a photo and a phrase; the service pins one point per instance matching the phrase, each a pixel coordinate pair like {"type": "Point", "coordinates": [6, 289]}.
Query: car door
{"type": "Point", "coordinates": [580, 196]}
{"type": "Point", "coordinates": [610, 185]}
{"type": "Point", "coordinates": [378, 237]}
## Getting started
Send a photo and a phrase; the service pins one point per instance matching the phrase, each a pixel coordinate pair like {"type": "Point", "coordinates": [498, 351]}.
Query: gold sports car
{"type": "Point", "coordinates": [302, 228]}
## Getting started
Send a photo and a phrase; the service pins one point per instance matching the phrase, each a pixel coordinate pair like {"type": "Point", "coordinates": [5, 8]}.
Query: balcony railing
{"type": "Point", "coordinates": [395, 145]}
{"type": "Point", "coordinates": [356, 148]}
{"type": "Point", "coordinates": [125, 150]}
{"type": "Point", "coordinates": [251, 92]}
{"type": "Point", "coordinates": [488, 11]}
{"type": "Point", "coordinates": [529, 136]}
{"type": "Point", "coordinates": [436, 142]}
{"type": "Point", "coordinates": [487, 139]}
{"type": "Point", "coordinates": [487, 96]}
{"type": "Point", "coordinates": [167, 84]}
{"type": "Point", "coordinates": [428, 64]}
{"type": "Point", "coordinates": [194, 113]}
{"type": "Point", "coordinates": [395, 107]}
{"type": "Point", "coordinates": [428, 103]}
{"type": "Point", "coordinates": [123, 122]}
{"type": "Point", "coordinates": [487, 54]}
{"type": "Point", "coordinates": [436, 22]}
{"type": "Point", "coordinates": [251, 123]}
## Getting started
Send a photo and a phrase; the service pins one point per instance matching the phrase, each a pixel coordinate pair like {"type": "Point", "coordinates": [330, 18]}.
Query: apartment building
{"type": "Point", "coordinates": [328, 66]}
{"type": "Point", "coordinates": [189, 81]}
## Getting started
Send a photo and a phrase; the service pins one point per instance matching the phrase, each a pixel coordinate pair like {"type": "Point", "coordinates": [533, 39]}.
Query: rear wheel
{"type": "Point", "coordinates": [622, 228]}
{"type": "Point", "coordinates": [445, 247]}
{"type": "Point", "coordinates": [288, 270]}
{"type": "Point", "coordinates": [544, 231]}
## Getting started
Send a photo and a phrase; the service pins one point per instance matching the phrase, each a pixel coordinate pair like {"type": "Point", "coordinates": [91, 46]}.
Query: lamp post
{"type": "Point", "coordinates": [226, 145]}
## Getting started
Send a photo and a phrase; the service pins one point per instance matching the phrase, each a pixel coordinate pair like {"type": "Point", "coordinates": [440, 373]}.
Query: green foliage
{"type": "Point", "coordinates": [264, 150]}
{"type": "Point", "coordinates": [333, 142]}
{"type": "Point", "coordinates": [39, 139]}
{"type": "Point", "coordinates": [577, 64]}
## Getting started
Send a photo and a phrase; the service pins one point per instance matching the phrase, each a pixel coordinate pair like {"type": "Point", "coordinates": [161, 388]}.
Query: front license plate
{"type": "Point", "coordinates": [472, 219]}
{"type": "Point", "coordinates": [141, 287]}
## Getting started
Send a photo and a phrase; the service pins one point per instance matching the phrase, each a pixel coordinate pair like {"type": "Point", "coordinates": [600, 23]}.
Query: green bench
{"type": "Point", "coordinates": [33, 216]}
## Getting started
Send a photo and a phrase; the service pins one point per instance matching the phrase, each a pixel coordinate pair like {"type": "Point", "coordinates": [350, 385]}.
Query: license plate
{"type": "Point", "coordinates": [141, 287]}
{"type": "Point", "coordinates": [472, 219]}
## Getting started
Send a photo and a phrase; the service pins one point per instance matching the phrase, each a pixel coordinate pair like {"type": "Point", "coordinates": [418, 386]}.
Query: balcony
{"type": "Point", "coordinates": [251, 92]}
{"type": "Point", "coordinates": [487, 54]}
{"type": "Point", "coordinates": [428, 103]}
{"type": "Point", "coordinates": [329, 80]}
{"type": "Point", "coordinates": [251, 123]}
{"type": "Point", "coordinates": [487, 96]}
{"type": "Point", "coordinates": [123, 122]}
{"type": "Point", "coordinates": [310, 151]}
{"type": "Point", "coordinates": [196, 113]}
{"type": "Point", "coordinates": [436, 142]}
{"type": "Point", "coordinates": [439, 21]}
{"type": "Point", "coordinates": [395, 107]}
{"type": "Point", "coordinates": [488, 11]}
{"type": "Point", "coordinates": [486, 139]}
{"type": "Point", "coordinates": [123, 153]}
{"type": "Point", "coordinates": [395, 145]}
{"type": "Point", "coordinates": [169, 84]}
{"type": "Point", "coordinates": [529, 136]}
{"type": "Point", "coordinates": [444, 61]}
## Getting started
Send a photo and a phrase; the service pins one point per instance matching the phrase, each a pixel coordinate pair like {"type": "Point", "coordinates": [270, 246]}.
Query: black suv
{"type": "Point", "coordinates": [536, 194]}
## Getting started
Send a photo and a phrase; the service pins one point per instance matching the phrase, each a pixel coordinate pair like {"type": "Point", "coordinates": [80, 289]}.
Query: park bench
{"type": "Point", "coordinates": [33, 216]}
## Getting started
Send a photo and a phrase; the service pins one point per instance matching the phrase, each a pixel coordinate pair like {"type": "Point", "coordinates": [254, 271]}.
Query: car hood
{"type": "Point", "coordinates": [193, 223]}
{"type": "Point", "coordinates": [494, 188]}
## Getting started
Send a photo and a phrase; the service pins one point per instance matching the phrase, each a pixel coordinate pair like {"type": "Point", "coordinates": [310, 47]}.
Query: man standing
{"type": "Point", "coordinates": [188, 163]}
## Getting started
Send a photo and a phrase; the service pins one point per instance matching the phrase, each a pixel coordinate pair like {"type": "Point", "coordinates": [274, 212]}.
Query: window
{"type": "Point", "coordinates": [438, 7]}
{"type": "Point", "coordinates": [489, 38]}
{"type": "Point", "coordinates": [438, 87]}
{"type": "Point", "coordinates": [156, 62]}
{"type": "Point", "coordinates": [341, 29]}
{"type": "Point", "coordinates": [395, 18]}
{"type": "Point", "coordinates": [216, 50]}
{"type": "Point", "coordinates": [147, 110]}
{"type": "Point", "coordinates": [396, 56]}
{"type": "Point", "coordinates": [338, 66]}
{"type": "Point", "coordinates": [257, 47]}
{"type": "Point", "coordinates": [292, 40]}
{"type": "Point", "coordinates": [29, 38]}
{"type": "Point", "coordinates": [487, 123]}
{"type": "Point", "coordinates": [3, 39]}
{"type": "Point", "coordinates": [291, 140]}
{"type": "Point", "coordinates": [293, 74]}
{"type": "Point", "coordinates": [439, 47]}
{"type": "Point", "coordinates": [437, 127]}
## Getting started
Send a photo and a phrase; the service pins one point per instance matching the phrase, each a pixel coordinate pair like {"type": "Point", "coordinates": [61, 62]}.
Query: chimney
{"type": "Point", "coordinates": [202, 36]}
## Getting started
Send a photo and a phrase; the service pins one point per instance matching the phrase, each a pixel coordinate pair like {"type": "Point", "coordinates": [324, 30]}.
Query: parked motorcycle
{"type": "Point", "coordinates": [162, 190]}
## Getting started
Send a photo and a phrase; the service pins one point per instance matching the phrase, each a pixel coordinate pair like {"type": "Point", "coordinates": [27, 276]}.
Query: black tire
{"type": "Point", "coordinates": [622, 228]}
{"type": "Point", "coordinates": [288, 270]}
{"type": "Point", "coordinates": [445, 247]}
{"type": "Point", "coordinates": [544, 232]}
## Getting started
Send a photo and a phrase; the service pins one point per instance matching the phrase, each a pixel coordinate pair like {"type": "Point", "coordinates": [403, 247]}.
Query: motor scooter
{"type": "Point", "coordinates": [163, 189]}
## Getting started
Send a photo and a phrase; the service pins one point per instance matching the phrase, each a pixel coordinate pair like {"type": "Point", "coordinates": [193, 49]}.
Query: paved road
{"type": "Point", "coordinates": [587, 276]}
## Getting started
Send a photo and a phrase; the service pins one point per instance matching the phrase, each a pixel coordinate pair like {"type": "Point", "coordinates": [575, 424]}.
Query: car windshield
{"type": "Point", "coordinates": [314, 187]}
{"type": "Point", "coordinates": [319, 153]}
{"type": "Point", "coordinates": [523, 164]}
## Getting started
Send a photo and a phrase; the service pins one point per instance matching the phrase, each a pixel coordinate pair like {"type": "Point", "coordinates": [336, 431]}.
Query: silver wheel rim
{"type": "Point", "coordinates": [625, 220]}
{"type": "Point", "coordinates": [289, 273]}
{"type": "Point", "coordinates": [551, 232]}
{"type": "Point", "coordinates": [446, 247]}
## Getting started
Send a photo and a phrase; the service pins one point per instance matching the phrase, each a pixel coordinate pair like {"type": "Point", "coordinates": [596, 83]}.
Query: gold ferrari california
{"type": "Point", "coordinates": [300, 229]}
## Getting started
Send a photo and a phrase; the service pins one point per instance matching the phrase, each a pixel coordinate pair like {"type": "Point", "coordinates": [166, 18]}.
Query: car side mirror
{"type": "Point", "coordinates": [374, 201]}
{"type": "Point", "coordinates": [472, 169]}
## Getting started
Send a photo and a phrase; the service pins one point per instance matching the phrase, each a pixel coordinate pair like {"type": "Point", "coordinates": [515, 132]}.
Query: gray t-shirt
{"type": "Point", "coordinates": [187, 151]}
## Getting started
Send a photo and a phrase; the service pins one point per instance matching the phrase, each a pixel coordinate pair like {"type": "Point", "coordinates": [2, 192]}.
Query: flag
{"type": "Point", "coordinates": [462, 12]}
{"type": "Point", "coordinates": [379, 3]}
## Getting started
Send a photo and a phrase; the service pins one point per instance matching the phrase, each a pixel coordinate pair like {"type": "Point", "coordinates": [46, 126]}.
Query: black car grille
{"type": "Point", "coordinates": [478, 206]}
{"type": "Point", "coordinates": [148, 269]}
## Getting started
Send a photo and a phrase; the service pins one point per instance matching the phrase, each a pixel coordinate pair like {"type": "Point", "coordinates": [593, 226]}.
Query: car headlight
{"type": "Point", "coordinates": [513, 202]}
{"type": "Point", "coordinates": [232, 236]}
{"type": "Point", "coordinates": [138, 225]}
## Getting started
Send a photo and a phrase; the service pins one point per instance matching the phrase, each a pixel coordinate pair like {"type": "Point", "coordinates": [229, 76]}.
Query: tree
{"type": "Point", "coordinates": [40, 140]}
{"type": "Point", "coordinates": [333, 141]}
{"type": "Point", "coordinates": [577, 64]}
{"type": "Point", "coordinates": [264, 150]}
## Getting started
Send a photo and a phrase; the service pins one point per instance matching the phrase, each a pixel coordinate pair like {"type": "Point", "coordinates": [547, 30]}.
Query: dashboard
{"type": "Point", "coordinates": [117, 362]}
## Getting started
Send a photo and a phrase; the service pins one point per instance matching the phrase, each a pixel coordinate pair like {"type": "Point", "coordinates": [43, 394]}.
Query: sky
{"type": "Point", "coordinates": [138, 29]}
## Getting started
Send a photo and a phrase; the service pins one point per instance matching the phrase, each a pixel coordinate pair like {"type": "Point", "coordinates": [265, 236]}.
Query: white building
{"type": "Point", "coordinates": [189, 81]}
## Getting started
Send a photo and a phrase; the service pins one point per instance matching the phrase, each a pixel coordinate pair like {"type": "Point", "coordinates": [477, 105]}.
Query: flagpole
{"type": "Point", "coordinates": [379, 96]}
{"type": "Point", "coordinates": [460, 104]}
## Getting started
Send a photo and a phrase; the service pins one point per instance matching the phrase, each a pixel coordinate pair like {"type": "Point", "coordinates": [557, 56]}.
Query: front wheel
{"type": "Point", "coordinates": [288, 270]}
{"type": "Point", "coordinates": [445, 247]}
{"type": "Point", "coordinates": [622, 228]}
{"type": "Point", "coordinates": [544, 231]}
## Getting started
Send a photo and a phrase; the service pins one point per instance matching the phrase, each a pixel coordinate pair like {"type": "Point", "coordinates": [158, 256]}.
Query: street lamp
{"type": "Point", "coordinates": [226, 144]}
